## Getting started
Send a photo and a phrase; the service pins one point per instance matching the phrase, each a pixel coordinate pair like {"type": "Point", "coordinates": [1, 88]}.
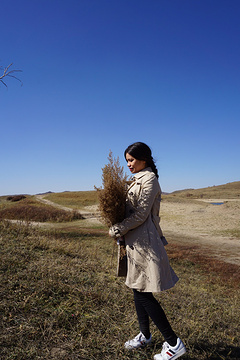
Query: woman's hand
{"type": "Point", "coordinates": [114, 232]}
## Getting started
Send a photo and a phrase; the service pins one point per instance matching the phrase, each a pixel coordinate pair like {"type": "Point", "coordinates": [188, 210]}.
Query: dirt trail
{"type": "Point", "coordinates": [88, 212]}
{"type": "Point", "coordinates": [214, 228]}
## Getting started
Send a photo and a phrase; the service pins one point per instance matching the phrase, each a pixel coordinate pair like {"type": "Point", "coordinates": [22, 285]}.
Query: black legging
{"type": "Point", "coordinates": [146, 305]}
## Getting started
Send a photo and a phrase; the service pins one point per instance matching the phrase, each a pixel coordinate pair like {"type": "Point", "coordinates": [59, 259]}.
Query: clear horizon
{"type": "Point", "coordinates": [52, 191]}
{"type": "Point", "coordinates": [98, 76]}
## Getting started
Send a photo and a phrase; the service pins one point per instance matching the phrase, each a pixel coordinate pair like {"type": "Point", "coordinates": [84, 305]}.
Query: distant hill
{"type": "Point", "coordinates": [227, 191]}
{"type": "Point", "coordinates": [45, 193]}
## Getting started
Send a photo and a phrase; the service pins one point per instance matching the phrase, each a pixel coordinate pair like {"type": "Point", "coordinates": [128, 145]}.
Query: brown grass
{"type": "Point", "coordinates": [226, 191]}
{"type": "Point", "coordinates": [59, 299]}
{"type": "Point", "coordinates": [29, 209]}
{"type": "Point", "coordinates": [74, 199]}
{"type": "Point", "coordinates": [226, 272]}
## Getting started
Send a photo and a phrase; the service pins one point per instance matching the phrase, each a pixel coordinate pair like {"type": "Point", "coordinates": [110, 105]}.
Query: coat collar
{"type": "Point", "coordinates": [141, 173]}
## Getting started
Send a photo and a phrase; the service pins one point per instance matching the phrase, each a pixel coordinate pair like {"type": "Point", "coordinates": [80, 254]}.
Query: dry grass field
{"type": "Point", "coordinates": [30, 209]}
{"type": "Point", "coordinates": [60, 298]}
{"type": "Point", "coordinates": [74, 200]}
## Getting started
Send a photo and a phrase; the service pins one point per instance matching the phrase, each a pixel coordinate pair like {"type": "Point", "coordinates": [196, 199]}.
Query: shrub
{"type": "Point", "coordinates": [30, 210]}
{"type": "Point", "coordinates": [16, 197]}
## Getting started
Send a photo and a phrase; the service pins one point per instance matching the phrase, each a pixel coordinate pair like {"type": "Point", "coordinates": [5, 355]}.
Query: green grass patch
{"type": "Point", "coordinates": [60, 299]}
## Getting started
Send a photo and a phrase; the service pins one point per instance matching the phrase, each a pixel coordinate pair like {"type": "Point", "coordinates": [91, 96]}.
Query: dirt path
{"type": "Point", "coordinates": [214, 228]}
{"type": "Point", "coordinates": [88, 212]}
{"type": "Point", "coordinates": [48, 202]}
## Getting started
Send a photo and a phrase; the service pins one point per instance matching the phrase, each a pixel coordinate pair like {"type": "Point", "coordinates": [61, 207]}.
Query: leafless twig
{"type": "Point", "coordinates": [7, 72]}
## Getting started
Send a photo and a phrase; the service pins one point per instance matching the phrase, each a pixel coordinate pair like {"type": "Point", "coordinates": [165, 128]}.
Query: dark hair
{"type": "Point", "coordinates": [141, 151]}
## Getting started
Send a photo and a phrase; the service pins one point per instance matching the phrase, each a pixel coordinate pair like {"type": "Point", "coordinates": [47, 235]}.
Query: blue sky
{"type": "Point", "coordinates": [99, 75]}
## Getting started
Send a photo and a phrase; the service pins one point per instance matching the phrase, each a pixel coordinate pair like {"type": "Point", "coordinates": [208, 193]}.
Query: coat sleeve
{"type": "Point", "coordinates": [148, 192]}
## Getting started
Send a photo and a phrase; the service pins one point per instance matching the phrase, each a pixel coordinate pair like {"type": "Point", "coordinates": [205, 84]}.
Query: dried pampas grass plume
{"type": "Point", "coordinates": [112, 202]}
{"type": "Point", "coordinates": [112, 197]}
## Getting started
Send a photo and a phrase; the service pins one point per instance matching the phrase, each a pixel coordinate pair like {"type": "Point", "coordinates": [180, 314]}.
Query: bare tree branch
{"type": "Point", "coordinates": [9, 73]}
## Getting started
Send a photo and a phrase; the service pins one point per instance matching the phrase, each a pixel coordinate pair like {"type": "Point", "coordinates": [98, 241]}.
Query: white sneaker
{"type": "Point", "coordinates": [171, 352]}
{"type": "Point", "coordinates": [139, 341]}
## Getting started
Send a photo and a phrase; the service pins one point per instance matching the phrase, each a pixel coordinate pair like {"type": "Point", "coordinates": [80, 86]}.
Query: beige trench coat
{"type": "Point", "coordinates": [148, 266]}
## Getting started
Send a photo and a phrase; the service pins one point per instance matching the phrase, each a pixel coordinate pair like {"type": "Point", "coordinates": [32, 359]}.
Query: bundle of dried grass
{"type": "Point", "coordinates": [112, 201]}
{"type": "Point", "coordinates": [112, 197]}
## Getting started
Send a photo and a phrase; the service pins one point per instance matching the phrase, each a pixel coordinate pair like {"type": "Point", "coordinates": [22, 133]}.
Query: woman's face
{"type": "Point", "coordinates": [135, 165]}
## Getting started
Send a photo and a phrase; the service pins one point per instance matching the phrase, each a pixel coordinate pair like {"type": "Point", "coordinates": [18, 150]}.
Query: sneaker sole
{"type": "Point", "coordinates": [173, 357]}
{"type": "Point", "coordinates": [137, 347]}
{"type": "Point", "coordinates": [180, 353]}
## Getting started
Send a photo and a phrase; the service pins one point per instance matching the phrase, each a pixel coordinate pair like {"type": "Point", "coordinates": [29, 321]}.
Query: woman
{"type": "Point", "coordinates": [148, 266]}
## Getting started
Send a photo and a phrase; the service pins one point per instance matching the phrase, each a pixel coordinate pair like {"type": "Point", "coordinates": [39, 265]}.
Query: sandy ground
{"type": "Point", "coordinates": [202, 224]}
{"type": "Point", "coordinates": [199, 224]}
